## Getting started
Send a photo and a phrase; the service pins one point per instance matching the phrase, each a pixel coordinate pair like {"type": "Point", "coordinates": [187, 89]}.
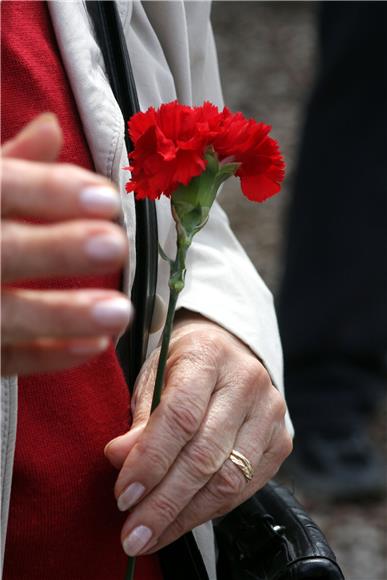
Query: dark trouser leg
{"type": "Point", "coordinates": [333, 302]}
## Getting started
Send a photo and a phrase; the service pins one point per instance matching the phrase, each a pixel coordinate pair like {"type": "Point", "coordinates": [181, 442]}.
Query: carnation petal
{"type": "Point", "coordinates": [259, 187]}
{"type": "Point", "coordinates": [140, 123]}
{"type": "Point", "coordinates": [188, 166]}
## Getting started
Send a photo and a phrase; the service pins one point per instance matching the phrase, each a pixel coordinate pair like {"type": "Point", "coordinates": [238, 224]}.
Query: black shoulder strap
{"type": "Point", "coordinates": [132, 346]}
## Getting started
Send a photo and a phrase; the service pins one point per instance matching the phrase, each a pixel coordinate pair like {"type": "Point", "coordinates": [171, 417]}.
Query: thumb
{"type": "Point", "coordinates": [117, 450]}
{"type": "Point", "coordinates": [40, 140]}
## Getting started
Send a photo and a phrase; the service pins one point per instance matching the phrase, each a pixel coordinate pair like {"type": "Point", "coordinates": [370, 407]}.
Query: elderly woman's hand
{"type": "Point", "coordinates": [175, 468]}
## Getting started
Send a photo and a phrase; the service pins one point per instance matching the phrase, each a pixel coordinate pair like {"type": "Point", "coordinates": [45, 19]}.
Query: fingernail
{"type": "Point", "coordinates": [129, 497]}
{"type": "Point", "coordinates": [85, 348]}
{"type": "Point", "coordinates": [105, 247]}
{"type": "Point", "coordinates": [136, 540]}
{"type": "Point", "coordinates": [113, 313]}
{"type": "Point", "coordinates": [100, 199]}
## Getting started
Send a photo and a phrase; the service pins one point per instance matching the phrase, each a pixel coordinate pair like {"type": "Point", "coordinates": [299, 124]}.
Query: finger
{"type": "Point", "coordinates": [50, 356]}
{"type": "Point", "coordinates": [57, 191]}
{"type": "Point", "coordinates": [227, 489]}
{"type": "Point", "coordinates": [117, 450]}
{"type": "Point", "coordinates": [29, 315]}
{"type": "Point", "coordinates": [198, 461]}
{"type": "Point", "coordinates": [64, 249]}
{"type": "Point", "coordinates": [175, 421]}
{"type": "Point", "coordinates": [258, 441]}
{"type": "Point", "coordinates": [40, 140]}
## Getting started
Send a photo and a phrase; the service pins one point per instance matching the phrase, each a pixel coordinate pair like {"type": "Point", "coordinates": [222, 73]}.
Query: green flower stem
{"type": "Point", "coordinates": [176, 285]}
{"type": "Point", "coordinates": [130, 569]}
{"type": "Point", "coordinates": [173, 295]}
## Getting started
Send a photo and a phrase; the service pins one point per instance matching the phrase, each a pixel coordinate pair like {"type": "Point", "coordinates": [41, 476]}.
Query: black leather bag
{"type": "Point", "coordinates": [270, 536]}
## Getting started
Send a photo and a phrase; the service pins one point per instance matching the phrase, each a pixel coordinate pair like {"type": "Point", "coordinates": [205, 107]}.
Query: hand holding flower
{"type": "Point", "coordinates": [217, 397]}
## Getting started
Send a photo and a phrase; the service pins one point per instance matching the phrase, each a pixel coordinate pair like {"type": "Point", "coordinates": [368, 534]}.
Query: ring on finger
{"type": "Point", "coordinates": [242, 463]}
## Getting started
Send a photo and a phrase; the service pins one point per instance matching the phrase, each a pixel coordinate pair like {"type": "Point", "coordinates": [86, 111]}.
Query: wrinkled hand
{"type": "Point", "coordinates": [51, 330]}
{"type": "Point", "coordinates": [175, 472]}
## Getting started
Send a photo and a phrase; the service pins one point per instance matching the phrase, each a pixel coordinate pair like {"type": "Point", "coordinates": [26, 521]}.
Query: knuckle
{"type": "Point", "coordinates": [286, 445]}
{"type": "Point", "coordinates": [212, 341]}
{"type": "Point", "coordinates": [55, 176]}
{"type": "Point", "coordinates": [254, 377]}
{"type": "Point", "coordinates": [165, 509]}
{"type": "Point", "coordinates": [279, 405]}
{"type": "Point", "coordinates": [153, 456]}
{"type": "Point", "coordinates": [255, 371]}
{"type": "Point", "coordinates": [229, 483]}
{"type": "Point", "coordinates": [204, 459]}
{"type": "Point", "coordinates": [253, 380]}
{"type": "Point", "coordinates": [279, 452]}
{"type": "Point", "coordinates": [184, 417]}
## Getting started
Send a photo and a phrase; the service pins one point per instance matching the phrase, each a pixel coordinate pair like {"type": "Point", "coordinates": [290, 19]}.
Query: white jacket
{"type": "Point", "coordinates": [173, 55]}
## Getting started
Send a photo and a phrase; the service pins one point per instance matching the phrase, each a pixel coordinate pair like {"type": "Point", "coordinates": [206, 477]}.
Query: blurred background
{"type": "Point", "coordinates": [267, 55]}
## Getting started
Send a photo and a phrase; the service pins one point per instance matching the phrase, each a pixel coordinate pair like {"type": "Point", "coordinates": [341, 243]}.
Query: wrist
{"type": "Point", "coordinates": [187, 321]}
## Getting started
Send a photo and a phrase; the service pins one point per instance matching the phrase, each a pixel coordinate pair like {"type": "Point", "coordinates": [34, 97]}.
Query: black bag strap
{"type": "Point", "coordinates": [132, 346]}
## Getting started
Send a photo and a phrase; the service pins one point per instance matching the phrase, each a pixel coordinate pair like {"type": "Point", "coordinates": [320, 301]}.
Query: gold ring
{"type": "Point", "coordinates": [242, 463]}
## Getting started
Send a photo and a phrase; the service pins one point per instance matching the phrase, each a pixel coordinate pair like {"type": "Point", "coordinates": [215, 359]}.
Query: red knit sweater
{"type": "Point", "coordinates": [64, 523]}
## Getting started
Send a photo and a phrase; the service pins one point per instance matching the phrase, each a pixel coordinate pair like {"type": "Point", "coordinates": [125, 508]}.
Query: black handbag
{"type": "Point", "coordinates": [270, 536]}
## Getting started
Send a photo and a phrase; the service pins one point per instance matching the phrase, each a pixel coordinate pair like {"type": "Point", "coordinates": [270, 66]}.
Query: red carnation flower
{"type": "Point", "coordinates": [170, 145]}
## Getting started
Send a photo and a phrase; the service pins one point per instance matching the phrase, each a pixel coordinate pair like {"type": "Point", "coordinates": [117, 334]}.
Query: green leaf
{"type": "Point", "coordinates": [226, 171]}
{"type": "Point", "coordinates": [191, 204]}
{"type": "Point", "coordinates": [164, 255]}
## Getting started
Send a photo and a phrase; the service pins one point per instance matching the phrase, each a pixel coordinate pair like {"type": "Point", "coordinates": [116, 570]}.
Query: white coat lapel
{"type": "Point", "coordinates": [100, 114]}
